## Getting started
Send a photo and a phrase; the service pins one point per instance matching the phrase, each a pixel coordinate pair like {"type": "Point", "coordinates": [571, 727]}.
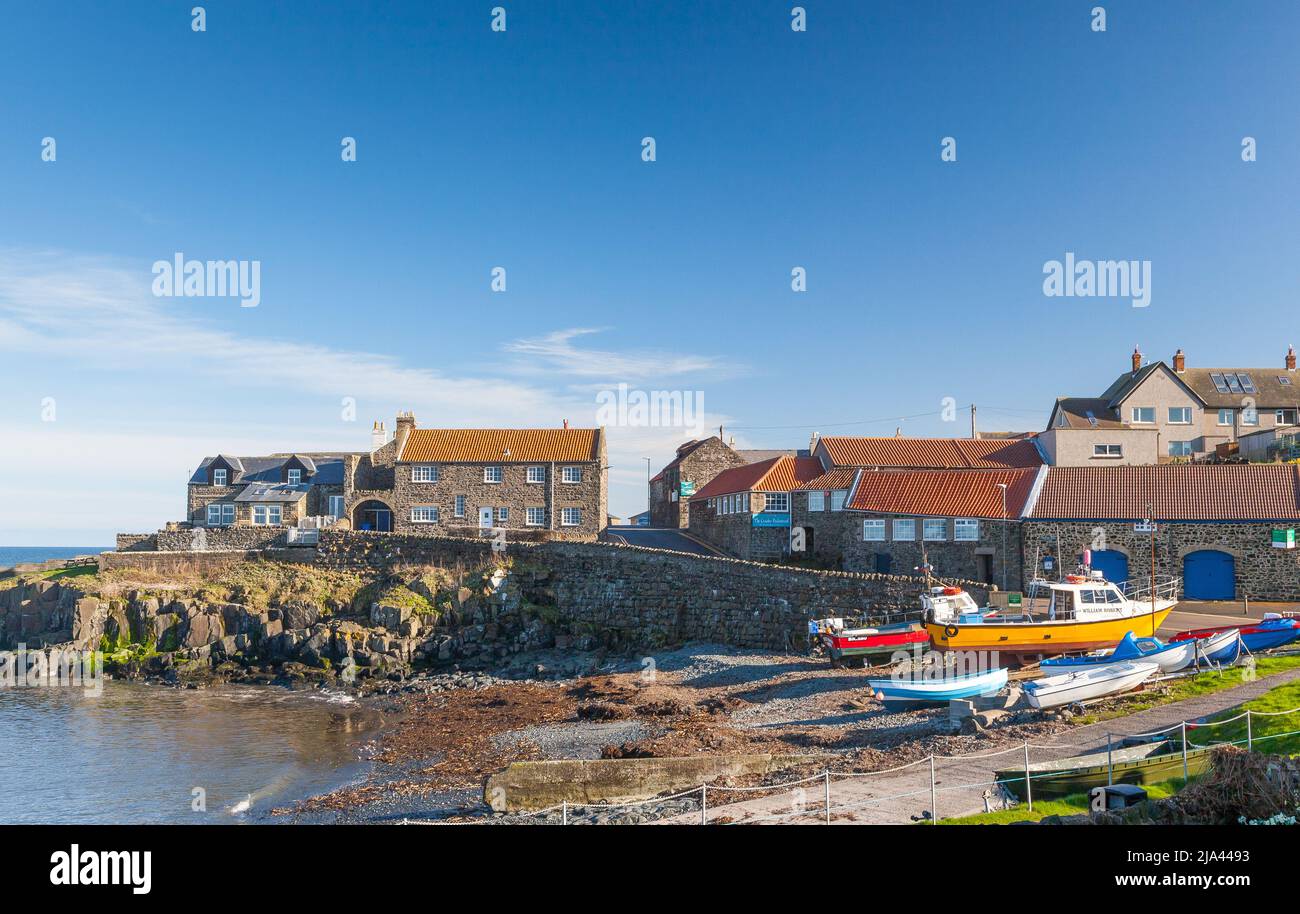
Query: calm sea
{"type": "Point", "coordinates": [17, 555]}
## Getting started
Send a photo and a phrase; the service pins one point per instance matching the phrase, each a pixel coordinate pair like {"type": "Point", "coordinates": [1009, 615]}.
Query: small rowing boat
{"type": "Point", "coordinates": [920, 690]}
{"type": "Point", "coordinates": [1149, 763]}
{"type": "Point", "coordinates": [857, 646]}
{"type": "Point", "coordinates": [1222, 649]}
{"type": "Point", "coordinates": [1169, 657]}
{"type": "Point", "coordinates": [1270, 632]}
{"type": "Point", "coordinates": [1093, 682]}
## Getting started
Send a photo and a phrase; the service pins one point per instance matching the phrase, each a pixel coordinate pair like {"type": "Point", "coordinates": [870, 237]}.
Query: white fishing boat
{"type": "Point", "coordinates": [1085, 684]}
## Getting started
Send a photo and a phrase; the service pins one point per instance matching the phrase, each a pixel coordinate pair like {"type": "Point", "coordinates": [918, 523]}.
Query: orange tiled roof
{"type": "Point", "coordinates": [943, 493]}
{"type": "Point", "coordinates": [838, 478]}
{"type": "Point", "coordinates": [931, 453]}
{"type": "Point", "coordinates": [488, 445]}
{"type": "Point", "coordinates": [779, 474]}
{"type": "Point", "coordinates": [1193, 492]}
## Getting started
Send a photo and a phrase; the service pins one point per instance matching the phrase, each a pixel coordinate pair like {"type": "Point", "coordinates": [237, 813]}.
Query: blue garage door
{"type": "Point", "coordinates": [1209, 575]}
{"type": "Point", "coordinates": [1113, 565]}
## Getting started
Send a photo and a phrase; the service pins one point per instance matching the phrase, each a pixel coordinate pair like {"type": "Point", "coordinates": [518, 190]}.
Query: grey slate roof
{"type": "Point", "coordinates": [323, 469]}
{"type": "Point", "coordinates": [272, 493]}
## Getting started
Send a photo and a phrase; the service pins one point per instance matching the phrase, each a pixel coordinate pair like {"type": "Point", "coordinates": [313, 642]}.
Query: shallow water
{"type": "Point", "coordinates": [138, 753]}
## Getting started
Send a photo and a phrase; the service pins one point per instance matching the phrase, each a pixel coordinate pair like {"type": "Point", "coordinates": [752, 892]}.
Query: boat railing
{"type": "Point", "coordinates": [1167, 587]}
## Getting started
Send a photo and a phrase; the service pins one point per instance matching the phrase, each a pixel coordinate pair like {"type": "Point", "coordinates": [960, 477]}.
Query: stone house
{"type": "Point", "coordinates": [539, 483]}
{"type": "Point", "coordinates": [693, 467]}
{"type": "Point", "coordinates": [745, 511]}
{"type": "Point", "coordinates": [1158, 412]}
{"type": "Point", "coordinates": [1226, 529]}
{"type": "Point", "coordinates": [272, 491]}
{"type": "Point", "coordinates": [963, 523]}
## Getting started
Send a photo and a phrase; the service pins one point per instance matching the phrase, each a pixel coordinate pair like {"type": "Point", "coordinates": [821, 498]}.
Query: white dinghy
{"type": "Point", "coordinates": [1085, 684]}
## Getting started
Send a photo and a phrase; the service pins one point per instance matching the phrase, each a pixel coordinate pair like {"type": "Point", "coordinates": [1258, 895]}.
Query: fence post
{"type": "Point", "coordinates": [1250, 736]}
{"type": "Point", "coordinates": [704, 804]}
{"type": "Point", "coordinates": [1110, 761]}
{"type": "Point", "coordinates": [1184, 752]}
{"type": "Point", "coordinates": [934, 795]}
{"type": "Point", "coordinates": [1029, 784]}
{"type": "Point", "coordinates": [828, 796]}
{"type": "Point", "coordinates": [564, 812]}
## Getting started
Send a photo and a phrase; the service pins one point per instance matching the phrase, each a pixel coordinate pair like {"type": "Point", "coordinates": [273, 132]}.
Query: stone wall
{"type": "Point", "coordinates": [203, 539]}
{"type": "Point", "coordinates": [1262, 572]}
{"type": "Point", "coordinates": [137, 542]}
{"type": "Point", "coordinates": [644, 598]}
{"type": "Point", "coordinates": [736, 534]}
{"type": "Point", "coordinates": [177, 563]}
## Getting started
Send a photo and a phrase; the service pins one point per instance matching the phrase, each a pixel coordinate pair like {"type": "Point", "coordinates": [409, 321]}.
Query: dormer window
{"type": "Point", "coordinates": [295, 477]}
{"type": "Point", "coordinates": [219, 477]}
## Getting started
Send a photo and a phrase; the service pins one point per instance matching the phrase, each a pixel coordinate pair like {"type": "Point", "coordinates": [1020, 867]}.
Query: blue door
{"type": "Point", "coordinates": [1112, 564]}
{"type": "Point", "coordinates": [1209, 575]}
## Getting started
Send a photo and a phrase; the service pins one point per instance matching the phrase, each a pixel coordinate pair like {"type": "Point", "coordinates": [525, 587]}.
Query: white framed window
{"type": "Point", "coordinates": [904, 529]}
{"type": "Point", "coordinates": [838, 498]}
{"type": "Point", "coordinates": [570, 517]}
{"type": "Point", "coordinates": [1108, 450]}
{"type": "Point", "coordinates": [424, 473]}
{"type": "Point", "coordinates": [1180, 415]}
{"type": "Point", "coordinates": [1286, 417]}
{"type": "Point", "coordinates": [711, 503]}
{"type": "Point", "coordinates": [503, 515]}
{"type": "Point", "coordinates": [873, 531]}
{"type": "Point", "coordinates": [537, 474]}
{"type": "Point", "coordinates": [219, 477]}
{"type": "Point", "coordinates": [221, 515]}
{"type": "Point", "coordinates": [1180, 449]}
{"type": "Point", "coordinates": [571, 474]}
{"type": "Point", "coordinates": [1143, 414]}
{"type": "Point", "coordinates": [266, 515]}
{"type": "Point", "coordinates": [336, 506]}
{"type": "Point", "coordinates": [1225, 417]}
{"type": "Point", "coordinates": [816, 501]}
{"type": "Point", "coordinates": [777, 501]}
{"type": "Point", "coordinates": [965, 529]}
{"type": "Point", "coordinates": [534, 517]}
{"type": "Point", "coordinates": [459, 510]}
{"type": "Point", "coordinates": [492, 474]}
{"type": "Point", "coordinates": [744, 503]}
{"type": "Point", "coordinates": [294, 477]}
{"type": "Point", "coordinates": [424, 514]}
{"type": "Point", "coordinates": [935, 529]}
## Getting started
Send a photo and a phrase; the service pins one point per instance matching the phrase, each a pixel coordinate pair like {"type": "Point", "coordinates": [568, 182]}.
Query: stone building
{"type": "Point", "coordinates": [1226, 529]}
{"type": "Point", "coordinates": [272, 491]}
{"type": "Point", "coordinates": [540, 483]}
{"type": "Point", "coordinates": [745, 511]}
{"type": "Point", "coordinates": [693, 467]}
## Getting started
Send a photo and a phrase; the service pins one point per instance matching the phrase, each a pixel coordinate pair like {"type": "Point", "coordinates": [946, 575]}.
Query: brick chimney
{"type": "Point", "coordinates": [405, 425]}
{"type": "Point", "coordinates": [1137, 359]}
{"type": "Point", "coordinates": [1290, 358]}
{"type": "Point", "coordinates": [1180, 362]}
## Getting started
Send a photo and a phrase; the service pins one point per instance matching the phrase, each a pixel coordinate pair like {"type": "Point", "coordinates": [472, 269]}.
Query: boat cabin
{"type": "Point", "coordinates": [1080, 598]}
{"type": "Point", "coordinates": [950, 606]}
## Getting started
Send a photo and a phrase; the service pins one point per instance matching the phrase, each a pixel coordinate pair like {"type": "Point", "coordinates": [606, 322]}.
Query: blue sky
{"type": "Point", "coordinates": [522, 149]}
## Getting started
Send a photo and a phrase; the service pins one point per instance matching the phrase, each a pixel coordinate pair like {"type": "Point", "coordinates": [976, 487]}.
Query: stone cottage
{"type": "Point", "coordinates": [694, 466]}
{"type": "Point", "coordinates": [539, 483]}
{"type": "Point", "coordinates": [278, 490]}
{"type": "Point", "coordinates": [745, 511]}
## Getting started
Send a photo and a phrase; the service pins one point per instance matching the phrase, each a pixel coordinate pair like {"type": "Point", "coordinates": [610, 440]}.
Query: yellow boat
{"type": "Point", "coordinates": [1085, 613]}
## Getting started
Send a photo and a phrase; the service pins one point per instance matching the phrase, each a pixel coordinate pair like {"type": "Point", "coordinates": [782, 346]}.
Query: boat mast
{"type": "Point", "coordinates": [1151, 524]}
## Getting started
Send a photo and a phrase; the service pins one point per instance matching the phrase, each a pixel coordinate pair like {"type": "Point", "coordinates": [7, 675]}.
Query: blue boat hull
{"type": "Point", "coordinates": [1257, 641]}
{"type": "Point", "coordinates": [938, 691]}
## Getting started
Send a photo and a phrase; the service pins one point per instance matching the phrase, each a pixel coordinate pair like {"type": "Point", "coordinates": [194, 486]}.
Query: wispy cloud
{"type": "Point", "coordinates": [557, 353]}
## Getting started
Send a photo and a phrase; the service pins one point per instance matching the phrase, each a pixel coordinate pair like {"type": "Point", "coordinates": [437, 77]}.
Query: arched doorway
{"type": "Point", "coordinates": [1209, 574]}
{"type": "Point", "coordinates": [372, 514]}
{"type": "Point", "coordinates": [1112, 564]}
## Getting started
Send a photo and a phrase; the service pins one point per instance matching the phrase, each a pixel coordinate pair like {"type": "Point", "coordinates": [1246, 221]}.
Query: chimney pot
{"type": "Point", "coordinates": [1180, 361]}
{"type": "Point", "coordinates": [1290, 358]}
{"type": "Point", "coordinates": [1137, 358]}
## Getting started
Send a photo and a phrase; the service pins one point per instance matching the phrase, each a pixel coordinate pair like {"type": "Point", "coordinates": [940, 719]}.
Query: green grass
{"type": "Point", "coordinates": [1066, 806]}
{"type": "Point", "coordinates": [1264, 730]}
{"type": "Point", "coordinates": [1191, 687]}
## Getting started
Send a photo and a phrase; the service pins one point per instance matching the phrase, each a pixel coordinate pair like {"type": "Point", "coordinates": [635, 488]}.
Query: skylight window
{"type": "Point", "coordinates": [1233, 384]}
{"type": "Point", "coordinates": [1284, 380]}
{"type": "Point", "coordinates": [1247, 384]}
{"type": "Point", "coordinates": [1219, 384]}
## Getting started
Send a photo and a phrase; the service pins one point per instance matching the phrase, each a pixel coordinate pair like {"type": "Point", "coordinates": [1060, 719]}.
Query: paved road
{"type": "Point", "coordinates": [961, 782]}
{"type": "Point", "coordinates": [661, 538]}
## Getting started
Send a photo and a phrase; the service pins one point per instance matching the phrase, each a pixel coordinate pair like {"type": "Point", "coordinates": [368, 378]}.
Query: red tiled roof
{"type": "Point", "coordinates": [838, 478]}
{"type": "Point", "coordinates": [1195, 492]}
{"type": "Point", "coordinates": [931, 453]}
{"type": "Point", "coordinates": [943, 493]}
{"type": "Point", "coordinates": [780, 474]}
{"type": "Point", "coordinates": [488, 445]}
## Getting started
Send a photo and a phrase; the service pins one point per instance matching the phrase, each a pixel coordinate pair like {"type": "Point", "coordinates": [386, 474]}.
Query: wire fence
{"type": "Point", "coordinates": [825, 808]}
